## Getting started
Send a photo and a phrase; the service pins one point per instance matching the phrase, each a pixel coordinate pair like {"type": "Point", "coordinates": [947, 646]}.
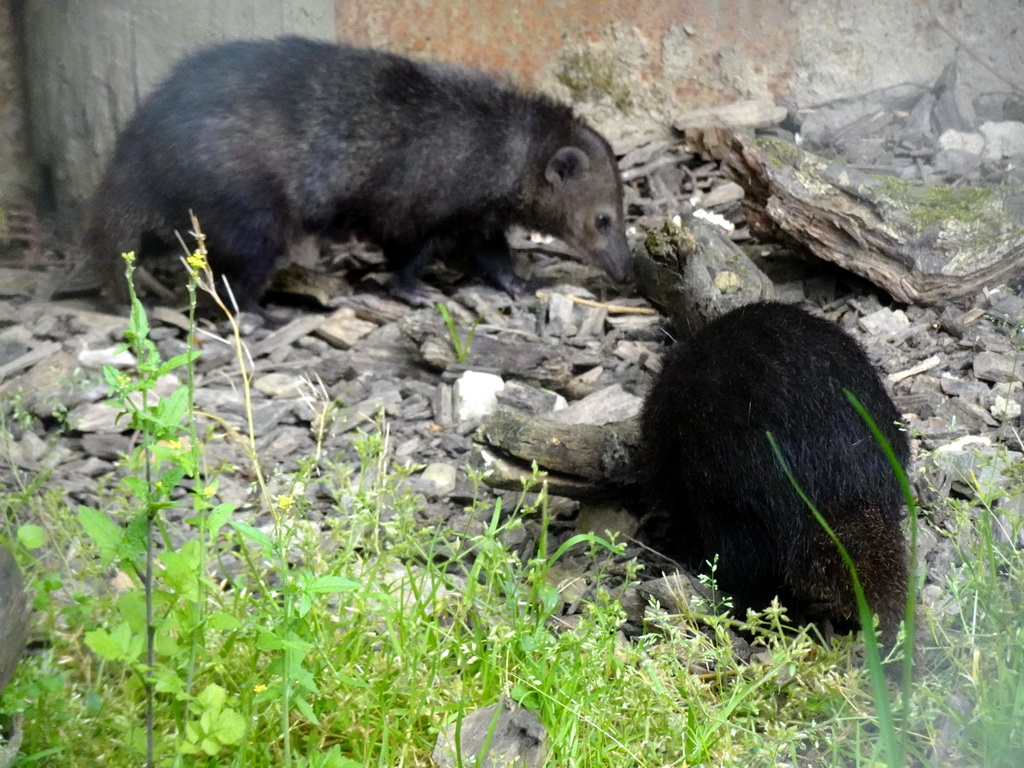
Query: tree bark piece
{"type": "Point", "coordinates": [586, 460]}
{"type": "Point", "coordinates": [922, 244]}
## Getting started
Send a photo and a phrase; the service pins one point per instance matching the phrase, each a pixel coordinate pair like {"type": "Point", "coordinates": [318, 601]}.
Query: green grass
{"type": "Point", "coordinates": [348, 634]}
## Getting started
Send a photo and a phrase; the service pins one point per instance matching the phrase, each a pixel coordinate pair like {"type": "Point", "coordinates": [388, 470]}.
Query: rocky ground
{"type": "Point", "coordinates": [574, 345]}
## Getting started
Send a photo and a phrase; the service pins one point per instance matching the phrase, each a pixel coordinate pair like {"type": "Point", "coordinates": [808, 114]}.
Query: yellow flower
{"type": "Point", "coordinates": [197, 261]}
{"type": "Point", "coordinates": [285, 502]}
{"type": "Point", "coordinates": [259, 688]}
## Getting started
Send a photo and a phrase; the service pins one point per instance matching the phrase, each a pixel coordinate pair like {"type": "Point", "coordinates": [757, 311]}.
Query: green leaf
{"type": "Point", "coordinates": [307, 711]}
{"type": "Point", "coordinates": [268, 641]}
{"type": "Point", "coordinates": [213, 697]}
{"type": "Point", "coordinates": [120, 645]}
{"type": "Point", "coordinates": [229, 727]}
{"type": "Point", "coordinates": [178, 360]}
{"type": "Point", "coordinates": [171, 409]}
{"type": "Point", "coordinates": [31, 536]}
{"type": "Point", "coordinates": [133, 540]}
{"type": "Point", "coordinates": [103, 645]}
{"type": "Point", "coordinates": [181, 573]}
{"type": "Point", "coordinates": [548, 599]}
{"type": "Point", "coordinates": [221, 620]}
{"type": "Point", "coordinates": [253, 534]}
{"type": "Point", "coordinates": [325, 584]}
{"type": "Point", "coordinates": [137, 486]}
{"type": "Point", "coordinates": [104, 532]}
{"type": "Point", "coordinates": [218, 517]}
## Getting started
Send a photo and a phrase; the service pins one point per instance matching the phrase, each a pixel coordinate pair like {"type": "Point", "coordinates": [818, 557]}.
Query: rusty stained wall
{"type": "Point", "coordinates": [15, 163]}
{"type": "Point", "coordinates": [628, 64]}
{"type": "Point", "coordinates": [682, 42]}
{"type": "Point", "coordinates": [632, 64]}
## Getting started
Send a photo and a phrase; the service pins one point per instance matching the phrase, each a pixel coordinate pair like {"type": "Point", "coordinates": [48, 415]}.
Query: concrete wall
{"type": "Point", "coordinates": [15, 162]}
{"type": "Point", "coordinates": [90, 61]}
{"type": "Point", "coordinates": [653, 59]}
{"type": "Point", "coordinates": [628, 64]}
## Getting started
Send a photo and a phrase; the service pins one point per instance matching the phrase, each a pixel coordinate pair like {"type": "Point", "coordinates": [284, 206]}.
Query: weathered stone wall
{"type": "Point", "coordinates": [15, 164]}
{"type": "Point", "coordinates": [89, 63]}
{"type": "Point", "coordinates": [653, 59]}
{"type": "Point", "coordinates": [629, 64]}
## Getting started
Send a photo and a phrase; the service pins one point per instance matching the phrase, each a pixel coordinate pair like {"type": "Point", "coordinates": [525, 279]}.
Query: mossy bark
{"type": "Point", "coordinates": [922, 244]}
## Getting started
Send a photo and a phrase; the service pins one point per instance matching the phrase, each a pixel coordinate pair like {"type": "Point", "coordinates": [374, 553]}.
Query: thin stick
{"type": "Point", "coordinates": [613, 309]}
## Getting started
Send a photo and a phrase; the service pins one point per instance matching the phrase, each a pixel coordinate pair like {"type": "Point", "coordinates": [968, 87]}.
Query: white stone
{"type": "Point", "coordinates": [1003, 139]}
{"type": "Point", "coordinates": [115, 356]}
{"type": "Point", "coordinates": [1004, 409]}
{"type": "Point", "coordinates": [971, 142]}
{"type": "Point", "coordinates": [475, 395]}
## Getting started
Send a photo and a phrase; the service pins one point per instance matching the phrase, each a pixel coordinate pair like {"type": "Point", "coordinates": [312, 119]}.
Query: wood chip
{"type": "Point", "coordinates": [924, 365]}
{"type": "Point", "coordinates": [292, 332]}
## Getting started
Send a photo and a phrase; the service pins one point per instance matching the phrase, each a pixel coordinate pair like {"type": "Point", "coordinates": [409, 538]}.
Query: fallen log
{"type": "Point", "coordinates": [921, 244]}
{"type": "Point", "coordinates": [583, 460]}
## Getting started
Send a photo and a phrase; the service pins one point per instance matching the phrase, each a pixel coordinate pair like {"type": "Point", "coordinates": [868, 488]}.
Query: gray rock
{"type": "Point", "coordinates": [513, 736]}
{"type": "Point", "coordinates": [561, 321]}
{"type": "Point", "coordinates": [444, 412]}
{"type": "Point", "coordinates": [362, 414]}
{"type": "Point", "coordinates": [996, 366]}
{"type": "Point", "coordinates": [285, 385]}
{"type": "Point", "coordinates": [593, 322]}
{"type": "Point", "coordinates": [975, 461]}
{"type": "Point", "coordinates": [15, 342]}
{"type": "Point", "coordinates": [96, 417]}
{"type": "Point", "coordinates": [968, 389]}
{"type": "Point", "coordinates": [885, 322]}
{"type": "Point", "coordinates": [599, 518]}
{"type": "Point", "coordinates": [46, 383]}
{"type": "Point", "coordinates": [955, 163]}
{"type": "Point", "coordinates": [14, 613]}
{"type": "Point", "coordinates": [1004, 401]}
{"type": "Point", "coordinates": [437, 479]}
{"type": "Point", "coordinates": [115, 356]}
{"type": "Point", "coordinates": [343, 329]}
{"type": "Point", "coordinates": [529, 399]}
{"type": "Point", "coordinates": [269, 414]}
{"type": "Point", "coordinates": [109, 447]}
{"type": "Point", "coordinates": [610, 404]}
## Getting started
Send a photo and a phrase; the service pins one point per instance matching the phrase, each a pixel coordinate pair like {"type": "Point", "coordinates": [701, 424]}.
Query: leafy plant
{"type": "Point", "coordinates": [460, 345]}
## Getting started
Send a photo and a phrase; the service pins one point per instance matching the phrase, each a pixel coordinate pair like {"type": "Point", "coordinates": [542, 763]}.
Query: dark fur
{"type": "Point", "coordinates": [774, 368]}
{"type": "Point", "coordinates": [267, 139]}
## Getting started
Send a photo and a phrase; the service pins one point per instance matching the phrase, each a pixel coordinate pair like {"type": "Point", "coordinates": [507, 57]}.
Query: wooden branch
{"type": "Point", "coordinates": [694, 273]}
